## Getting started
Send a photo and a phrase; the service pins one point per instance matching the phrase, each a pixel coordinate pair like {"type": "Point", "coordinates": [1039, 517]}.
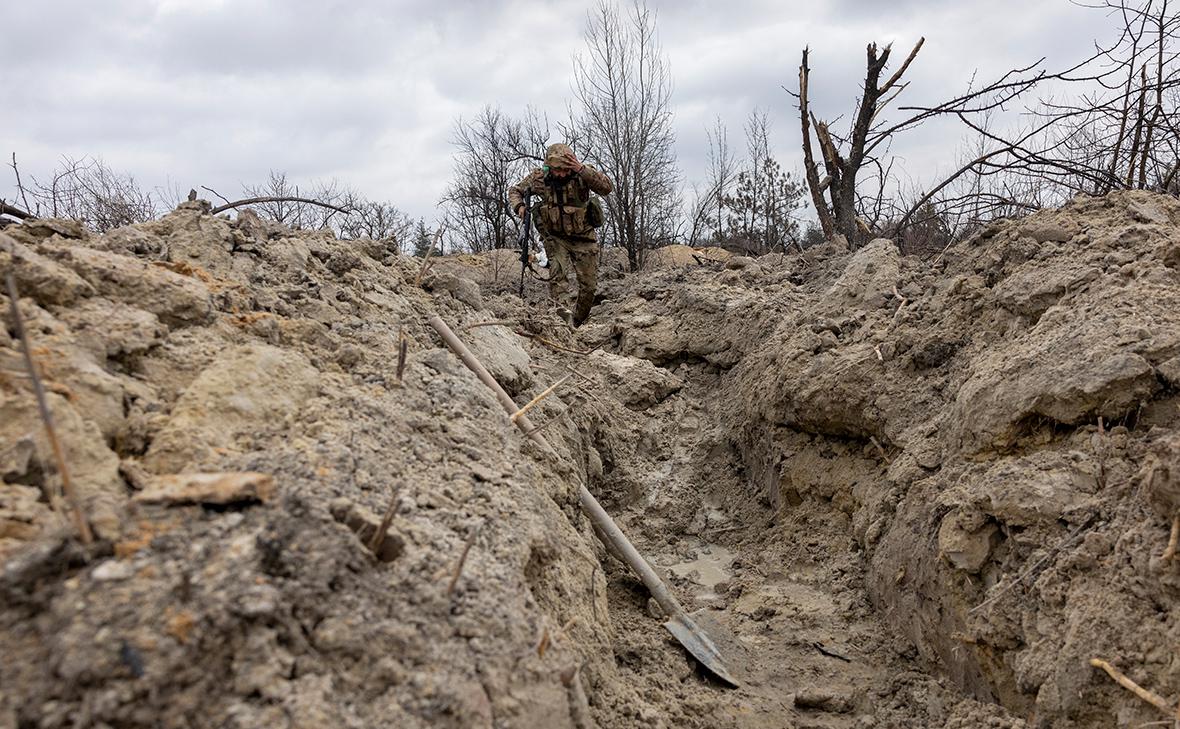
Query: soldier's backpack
{"type": "Point", "coordinates": [594, 216]}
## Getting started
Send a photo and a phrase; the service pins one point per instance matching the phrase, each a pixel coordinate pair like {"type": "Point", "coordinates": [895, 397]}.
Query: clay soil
{"type": "Point", "coordinates": [898, 492]}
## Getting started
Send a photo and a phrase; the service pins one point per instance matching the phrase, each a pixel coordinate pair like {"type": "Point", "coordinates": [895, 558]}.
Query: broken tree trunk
{"type": "Point", "coordinates": [837, 214]}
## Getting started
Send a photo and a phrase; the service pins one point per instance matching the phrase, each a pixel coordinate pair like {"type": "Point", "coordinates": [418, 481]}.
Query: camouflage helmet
{"type": "Point", "coordinates": [555, 155]}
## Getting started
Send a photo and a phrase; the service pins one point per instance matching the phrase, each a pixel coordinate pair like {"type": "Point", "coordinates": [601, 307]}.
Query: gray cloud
{"type": "Point", "coordinates": [218, 93]}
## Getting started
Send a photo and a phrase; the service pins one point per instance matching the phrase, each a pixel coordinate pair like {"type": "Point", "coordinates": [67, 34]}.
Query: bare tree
{"type": "Point", "coordinates": [87, 190]}
{"type": "Point", "coordinates": [493, 151]}
{"type": "Point", "coordinates": [378, 221]}
{"type": "Point", "coordinates": [708, 211]}
{"type": "Point", "coordinates": [624, 86]}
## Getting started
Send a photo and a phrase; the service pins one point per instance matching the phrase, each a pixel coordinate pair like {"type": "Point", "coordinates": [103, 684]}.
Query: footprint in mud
{"type": "Point", "coordinates": [708, 568]}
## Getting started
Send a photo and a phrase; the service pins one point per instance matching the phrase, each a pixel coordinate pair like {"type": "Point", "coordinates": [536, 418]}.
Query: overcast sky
{"type": "Point", "coordinates": [183, 93]}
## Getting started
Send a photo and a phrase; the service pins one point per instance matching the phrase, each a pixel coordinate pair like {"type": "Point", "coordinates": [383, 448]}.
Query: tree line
{"type": "Point", "coordinates": [1033, 137]}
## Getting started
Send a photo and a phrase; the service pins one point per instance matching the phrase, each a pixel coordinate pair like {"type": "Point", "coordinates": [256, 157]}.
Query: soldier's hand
{"type": "Point", "coordinates": [570, 161]}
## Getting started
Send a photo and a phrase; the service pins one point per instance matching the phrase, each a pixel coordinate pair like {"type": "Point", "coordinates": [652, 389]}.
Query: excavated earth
{"type": "Point", "coordinates": [899, 493]}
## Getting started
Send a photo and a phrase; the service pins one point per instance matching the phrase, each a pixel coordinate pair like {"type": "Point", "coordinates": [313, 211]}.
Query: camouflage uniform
{"type": "Point", "coordinates": [559, 215]}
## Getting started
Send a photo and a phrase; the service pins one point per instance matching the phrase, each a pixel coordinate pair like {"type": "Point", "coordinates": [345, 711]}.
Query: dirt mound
{"type": "Point", "coordinates": [982, 421]}
{"type": "Point", "coordinates": [190, 346]}
{"type": "Point", "coordinates": [911, 493]}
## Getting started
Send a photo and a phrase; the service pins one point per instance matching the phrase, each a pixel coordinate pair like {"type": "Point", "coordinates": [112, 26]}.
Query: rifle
{"type": "Point", "coordinates": [526, 241]}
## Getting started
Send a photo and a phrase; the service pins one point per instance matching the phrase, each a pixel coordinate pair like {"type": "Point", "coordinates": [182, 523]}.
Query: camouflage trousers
{"type": "Point", "coordinates": [566, 257]}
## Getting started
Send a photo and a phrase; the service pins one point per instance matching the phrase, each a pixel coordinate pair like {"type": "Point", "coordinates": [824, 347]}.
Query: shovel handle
{"type": "Point", "coordinates": [607, 528]}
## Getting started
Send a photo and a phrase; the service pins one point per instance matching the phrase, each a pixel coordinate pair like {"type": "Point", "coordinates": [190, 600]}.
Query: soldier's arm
{"type": "Point", "coordinates": [595, 180]}
{"type": "Point", "coordinates": [517, 192]}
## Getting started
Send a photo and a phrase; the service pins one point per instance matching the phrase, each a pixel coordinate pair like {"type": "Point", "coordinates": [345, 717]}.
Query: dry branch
{"type": "Point", "coordinates": [275, 198]}
{"type": "Point", "coordinates": [6, 209]}
{"type": "Point", "coordinates": [80, 522]}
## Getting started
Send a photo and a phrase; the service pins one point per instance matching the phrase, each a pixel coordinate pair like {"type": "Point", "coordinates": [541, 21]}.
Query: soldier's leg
{"type": "Point", "coordinates": [586, 268]}
{"type": "Point", "coordinates": [560, 266]}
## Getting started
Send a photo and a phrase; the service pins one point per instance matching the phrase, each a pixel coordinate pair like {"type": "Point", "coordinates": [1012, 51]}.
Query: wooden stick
{"type": "Point", "coordinates": [537, 400]}
{"type": "Point", "coordinates": [1121, 679]}
{"type": "Point", "coordinates": [698, 643]}
{"type": "Point", "coordinates": [579, 704]}
{"type": "Point", "coordinates": [1170, 552]}
{"type": "Point", "coordinates": [6, 209]}
{"type": "Point", "coordinates": [403, 345]}
{"type": "Point", "coordinates": [46, 417]}
{"type": "Point", "coordinates": [462, 560]}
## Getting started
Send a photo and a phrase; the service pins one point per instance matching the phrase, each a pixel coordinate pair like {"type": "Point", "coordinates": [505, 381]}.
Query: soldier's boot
{"type": "Point", "coordinates": [582, 308]}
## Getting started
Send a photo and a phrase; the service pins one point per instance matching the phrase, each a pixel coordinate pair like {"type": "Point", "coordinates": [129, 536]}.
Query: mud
{"type": "Point", "coordinates": [899, 492]}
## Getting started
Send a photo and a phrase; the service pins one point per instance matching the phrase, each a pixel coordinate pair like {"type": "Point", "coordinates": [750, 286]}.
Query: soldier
{"type": "Point", "coordinates": [565, 218]}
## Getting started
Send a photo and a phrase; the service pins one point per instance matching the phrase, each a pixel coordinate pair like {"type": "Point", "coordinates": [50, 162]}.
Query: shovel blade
{"type": "Point", "coordinates": [701, 647]}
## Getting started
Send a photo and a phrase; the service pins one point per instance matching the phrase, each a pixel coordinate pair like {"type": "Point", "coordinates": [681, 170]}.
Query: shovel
{"type": "Point", "coordinates": [680, 624]}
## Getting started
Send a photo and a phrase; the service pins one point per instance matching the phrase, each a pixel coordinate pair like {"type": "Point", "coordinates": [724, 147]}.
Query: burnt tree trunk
{"type": "Point", "coordinates": [837, 213]}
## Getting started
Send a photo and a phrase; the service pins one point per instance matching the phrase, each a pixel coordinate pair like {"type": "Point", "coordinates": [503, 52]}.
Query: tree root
{"type": "Point", "coordinates": [1150, 697]}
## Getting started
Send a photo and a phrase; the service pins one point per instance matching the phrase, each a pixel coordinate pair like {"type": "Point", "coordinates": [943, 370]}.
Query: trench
{"type": "Point", "coordinates": [775, 576]}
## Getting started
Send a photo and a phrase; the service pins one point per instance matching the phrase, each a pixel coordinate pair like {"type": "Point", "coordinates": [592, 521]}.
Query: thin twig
{"type": "Point", "coordinates": [1150, 697]}
{"type": "Point", "coordinates": [218, 194]}
{"type": "Point", "coordinates": [378, 539]}
{"type": "Point", "coordinates": [714, 531]}
{"type": "Point", "coordinates": [581, 376]}
{"type": "Point", "coordinates": [560, 634]}
{"type": "Point", "coordinates": [426, 258]}
{"type": "Point", "coordinates": [46, 417]}
{"type": "Point", "coordinates": [901, 305]}
{"type": "Point", "coordinates": [537, 400]}
{"type": "Point", "coordinates": [831, 654]}
{"type": "Point", "coordinates": [403, 348]}
{"type": "Point", "coordinates": [555, 345]}
{"type": "Point", "coordinates": [1024, 575]}
{"type": "Point", "coordinates": [501, 322]}
{"type": "Point", "coordinates": [23, 195]}
{"type": "Point", "coordinates": [462, 560]}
